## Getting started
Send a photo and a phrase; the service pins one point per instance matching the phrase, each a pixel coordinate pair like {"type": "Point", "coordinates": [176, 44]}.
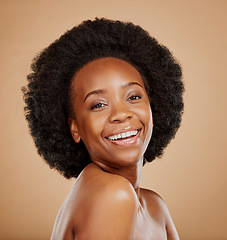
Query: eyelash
{"type": "Point", "coordinates": [100, 105]}
{"type": "Point", "coordinates": [95, 106]}
{"type": "Point", "coordinates": [135, 97]}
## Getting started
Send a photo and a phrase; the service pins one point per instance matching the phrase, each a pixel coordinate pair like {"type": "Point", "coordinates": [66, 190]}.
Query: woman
{"type": "Point", "coordinates": [103, 100]}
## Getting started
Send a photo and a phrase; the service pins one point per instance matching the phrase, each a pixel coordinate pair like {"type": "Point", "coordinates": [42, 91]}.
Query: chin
{"type": "Point", "coordinates": [126, 161]}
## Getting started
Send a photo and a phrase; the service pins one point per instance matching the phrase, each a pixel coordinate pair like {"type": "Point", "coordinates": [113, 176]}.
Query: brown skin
{"type": "Point", "coordinates": [106, 202]}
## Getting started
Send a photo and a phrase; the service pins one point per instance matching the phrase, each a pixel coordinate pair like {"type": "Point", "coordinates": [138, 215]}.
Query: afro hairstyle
{"type": "Point", "coordinates": [47, 100]}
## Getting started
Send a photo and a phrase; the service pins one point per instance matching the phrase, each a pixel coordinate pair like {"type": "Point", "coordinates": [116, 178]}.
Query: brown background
{"type": "Point", "coordinates": [191, 176]}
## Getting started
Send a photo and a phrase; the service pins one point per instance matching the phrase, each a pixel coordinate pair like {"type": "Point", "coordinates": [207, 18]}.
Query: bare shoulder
{"type": "Point", "coordinates": [159, 211]}
{"type": "Point", "coordinates": [95, 197]}
{"type": "Point", "coordinates": [152, 199]}
{"type": "Point", "coordinates": [110, 208]}
{"type": "Point", "coordinates": [100, 185]}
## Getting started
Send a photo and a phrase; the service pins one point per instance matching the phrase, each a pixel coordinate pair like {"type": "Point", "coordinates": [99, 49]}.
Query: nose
{"type": "Point", "coordinates": [120, 113]}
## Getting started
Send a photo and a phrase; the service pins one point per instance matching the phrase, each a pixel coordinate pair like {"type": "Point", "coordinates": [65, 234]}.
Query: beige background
{"type": "Point", "coordinates": [191, 176]}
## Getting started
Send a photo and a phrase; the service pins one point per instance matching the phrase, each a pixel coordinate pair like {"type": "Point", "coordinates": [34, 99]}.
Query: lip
{"type": "Point", "coordinates": [125, 142]}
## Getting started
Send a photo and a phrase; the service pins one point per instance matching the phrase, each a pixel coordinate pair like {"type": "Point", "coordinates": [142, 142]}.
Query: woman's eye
{"type": "Point", "coordinates": [99, 105]}
{"type": "Point", "coordinates": [134, 97]}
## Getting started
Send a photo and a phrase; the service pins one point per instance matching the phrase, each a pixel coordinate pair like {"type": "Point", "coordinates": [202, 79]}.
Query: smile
{"type": "Point", "coordinates": [125, 138]}
{"type": "Point", "coordinates": [124, 135]}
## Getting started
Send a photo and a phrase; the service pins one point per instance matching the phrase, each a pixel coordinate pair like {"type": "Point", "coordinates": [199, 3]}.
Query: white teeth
{"type": "Point", "coordinates": [127, 134]}
{"type": "Point", "coordinates": [123, 135]}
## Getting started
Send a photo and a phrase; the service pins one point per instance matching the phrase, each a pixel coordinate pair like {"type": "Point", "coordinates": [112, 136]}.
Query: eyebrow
{"type": "Point", "coordinates": [98, 91]}
{"type": "Point", "coordinates": [101, 91]}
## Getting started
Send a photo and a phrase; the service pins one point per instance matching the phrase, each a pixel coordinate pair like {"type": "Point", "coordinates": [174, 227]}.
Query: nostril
{"type": "Point", "coordinates": [120, 113]}
{"type": "Point", "coordinates": [120, 118]}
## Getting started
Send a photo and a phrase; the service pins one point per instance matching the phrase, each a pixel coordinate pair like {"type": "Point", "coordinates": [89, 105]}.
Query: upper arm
{"type": "Point", "coordinates": [170, 227]}
{"type": "Point", "coordinates": [110, 212]}
{"type": "Point", "coordinates": [160, 213]}
{"type": "Point", "coordinates": [63, 228]}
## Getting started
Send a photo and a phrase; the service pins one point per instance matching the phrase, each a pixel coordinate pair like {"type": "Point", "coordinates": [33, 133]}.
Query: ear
{"type": "Point", "coordinates": [74, 130]}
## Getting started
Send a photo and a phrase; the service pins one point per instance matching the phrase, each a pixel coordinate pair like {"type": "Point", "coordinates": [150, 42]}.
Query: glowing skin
{"type": "Point", "coordinates": [112, 112]}
{"type": "Point", "coordinates": [112, 116]}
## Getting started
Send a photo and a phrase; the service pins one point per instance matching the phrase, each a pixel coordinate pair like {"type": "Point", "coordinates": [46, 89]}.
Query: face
{"type": "Point", "coordinates": [112, 113]}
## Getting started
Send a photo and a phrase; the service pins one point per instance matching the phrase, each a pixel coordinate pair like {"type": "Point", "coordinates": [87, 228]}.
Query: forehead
{"type": "Point", "coordinates": [101, 72]}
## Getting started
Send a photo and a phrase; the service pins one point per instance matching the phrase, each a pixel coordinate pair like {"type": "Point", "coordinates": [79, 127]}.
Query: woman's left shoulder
{"type": "Point", "coordinates": [152, 198]}
{"type": "Point", "coordinates": [158, 210]}
{"type": "Point", "coordinates": [154, 204]}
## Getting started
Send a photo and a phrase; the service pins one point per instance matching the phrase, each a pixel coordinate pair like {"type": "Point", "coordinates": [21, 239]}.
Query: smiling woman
{"type": "Point", "coordinates": [111, 112]}
{"type": "Point", "coordinates": [91, 101]}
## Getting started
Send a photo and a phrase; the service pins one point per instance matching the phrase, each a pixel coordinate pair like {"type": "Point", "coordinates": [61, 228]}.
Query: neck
{"type": "Point", "coordinates": [131, 173]}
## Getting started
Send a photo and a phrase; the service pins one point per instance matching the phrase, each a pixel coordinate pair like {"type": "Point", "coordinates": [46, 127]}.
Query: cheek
{"type": "Point", "coordinates": [149, 118]}
{"type": "Point", "coordinates": [150, 125]}
{"type": "Point", "coordinates": [92, 127]}
{"type": "Point", "coordinates": [146, 118]}
{"type": "Point", "coordinates": [144, 111]}
{"type": "Point", "coordinates": [92, 137]}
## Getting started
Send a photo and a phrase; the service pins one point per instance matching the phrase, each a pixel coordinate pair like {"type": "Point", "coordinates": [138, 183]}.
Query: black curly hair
{"type": "Point", "coordinates": [47, 93]}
